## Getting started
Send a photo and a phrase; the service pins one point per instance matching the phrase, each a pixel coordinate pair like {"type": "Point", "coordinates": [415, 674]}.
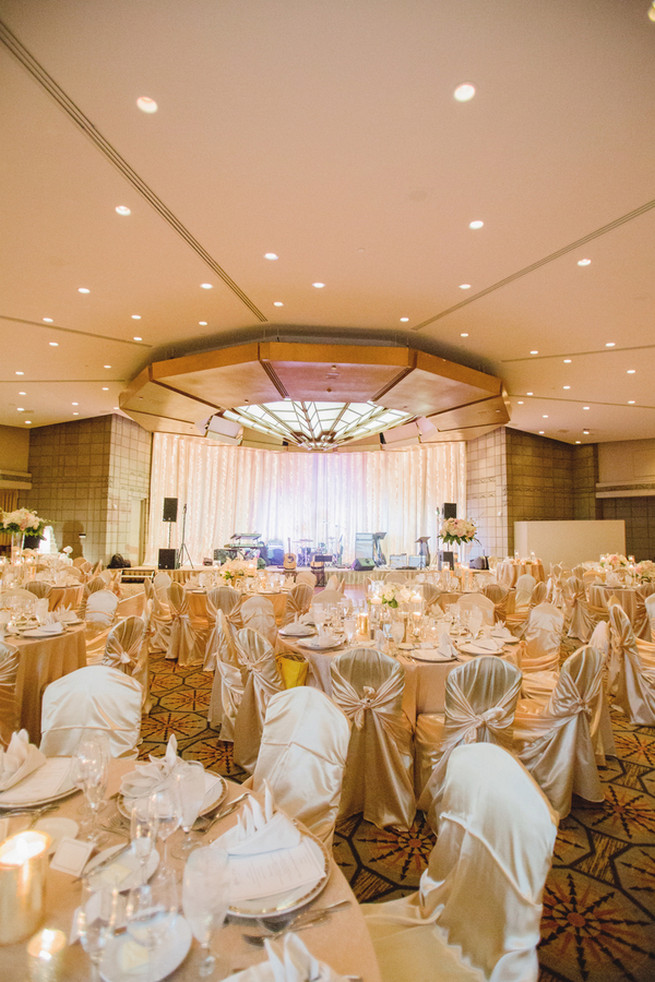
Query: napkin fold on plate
{"type": "Point", "coordinates": [445, 646]}
{"type": "Point", "coordinates": [66, 615]}
{"type": "Point", "coordinates": [288, 960]}
{"type": "Point", "coordinates": [19, 759]}
{"type": "Point", "coordinates": [295, 629]}
{"type": "Point", "coordinates": [147, 778]}
{"type": "Point", "coordinates": [259, 829]}
{"type": "Point", "coordinates": [501, 631]}
{"type": "Point", "coordinates": [492, 645]}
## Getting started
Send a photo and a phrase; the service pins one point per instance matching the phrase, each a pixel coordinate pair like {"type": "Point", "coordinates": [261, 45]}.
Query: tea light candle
{"type": "Point", "coordinates": [46, 952]}
{"type": "Point", "coordinates": [23, 870]}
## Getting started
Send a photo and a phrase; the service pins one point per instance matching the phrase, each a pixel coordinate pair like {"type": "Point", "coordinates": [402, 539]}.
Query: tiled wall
{"type": "Point", "coordinates": [86, 477]}
{"type": "Point", "coordinates": [639, 517]}
{"type": "Point", "coordinates": [486, 492]}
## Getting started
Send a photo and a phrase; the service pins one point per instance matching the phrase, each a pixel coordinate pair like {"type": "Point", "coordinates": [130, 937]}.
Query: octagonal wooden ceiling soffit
{"type": "Point", "coordinates": [438, 400]}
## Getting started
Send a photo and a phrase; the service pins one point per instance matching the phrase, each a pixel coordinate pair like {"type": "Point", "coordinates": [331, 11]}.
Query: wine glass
{"type": "Point", "coordinates": [190, 784]}
{"type": "Point", "coordinates": [205, 898]}
{"type": "Point", "coordinates": [143, 831]}
{"type": "Point", "coordinates": [96, 920]}
{"type": "Point", "coordinates": [166, 806]}
{"type": "Point", "coordinates": [90, 772]}
{"type": "Point", "coordinates": [150, 912]}
{"type": "Point", "coordinates": [397, 630]}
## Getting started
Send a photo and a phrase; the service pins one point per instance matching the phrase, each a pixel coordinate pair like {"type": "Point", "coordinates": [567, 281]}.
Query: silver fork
{"type": "Point", "coordinates": [304, 919]}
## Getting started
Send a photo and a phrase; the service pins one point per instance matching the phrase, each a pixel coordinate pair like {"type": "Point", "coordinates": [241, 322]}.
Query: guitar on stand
{"type": "Point", "coordinates": [289, 563]}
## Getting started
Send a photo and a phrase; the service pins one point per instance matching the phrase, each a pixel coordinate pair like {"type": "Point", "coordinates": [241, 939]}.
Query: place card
{"type": "Point", "coordinates": [71, 856]}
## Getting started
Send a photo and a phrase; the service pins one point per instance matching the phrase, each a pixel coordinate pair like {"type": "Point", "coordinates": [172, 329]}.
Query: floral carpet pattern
{"type": "Point", "coordinates": [599, 903]}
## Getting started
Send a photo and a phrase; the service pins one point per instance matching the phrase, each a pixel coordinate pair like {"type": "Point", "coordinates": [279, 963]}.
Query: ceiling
{"type": "Point", "coordinates": [328, 134]}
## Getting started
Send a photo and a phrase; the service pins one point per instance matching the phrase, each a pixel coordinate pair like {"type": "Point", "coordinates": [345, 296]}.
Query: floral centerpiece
{"type": "Point", "coordinates": [235, 569]}
{"type": "Point", "coordinates": [614, 561]}
{"type": "Point", "coordinates": [645, 571]}
{"type": "Point", "coordinates": [22, 521]}
{"type": "Point", "coordinates": [394, 594]}
{"type": "Point", "coordinates": [459, 530]}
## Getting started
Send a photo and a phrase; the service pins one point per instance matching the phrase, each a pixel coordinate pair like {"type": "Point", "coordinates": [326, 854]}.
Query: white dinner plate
{"type": "Point", "coordinates": [510, 639]}
{"type": "Point", "coordinates": [317, 645]}
{"type": "Point", "coordinates": [125, 873]}
{"type": "Point", "coordinates": [29, 794]}
{"type": "Point", "coordinates": [57, 829]}
{"type": "Point", "coordinates": [290, 900]}
{"type": "Point", "coordinates": [39, 632]}
{"type": "Point", "coordinates": [215, 794]}
{"type": "Point", "coordinates": [305, 633]}
{"type": "Point", "coordinates": [167, 957]}
{"type": "Point", "coordinates": [432, 655]}
{"type": "Point", "coordinates": [471, 648]}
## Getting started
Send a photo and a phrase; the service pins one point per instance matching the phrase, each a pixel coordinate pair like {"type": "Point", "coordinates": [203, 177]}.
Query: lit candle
{"type": "Point", "coordinates": [46, 951]}
{"type": "Point", "coordinates": [23, 870]}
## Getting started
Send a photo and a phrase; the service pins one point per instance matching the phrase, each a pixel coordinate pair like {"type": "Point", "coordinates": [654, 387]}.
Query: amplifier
{"type": "Point", "coordinates": [364, 564]}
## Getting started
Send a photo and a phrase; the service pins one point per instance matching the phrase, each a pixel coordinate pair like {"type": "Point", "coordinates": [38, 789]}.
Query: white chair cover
{"type": "Point", "coordinates": [9, 719]}
{"type": "Point", "coordinates": [160, 619]}
{"type": "Point", "coordinates": [368, 686]}
{"type": "Point", "coordinates": [186, 641]}
{"type": "Point", "coordinates": [503, 598]}
{"type": "Point", "coordinates": [161, 582]}
{"type": "Point", "coordinates": [125, 651]}
{"type": "Point", "coordinates": [478, 911]}
{"type": "Point", "coordinates": [582, 621]}
{"type": "Point", "coordinates": [335, 583]}
{"type": "Point", "coordinates": [631, 683]}
{"type": "Point", "coordinates": [525, 584]}
{"type": "Point", "coordinates": [91, 699]}
{"type": "Point", "coordinates": [302, 757]}
{"type": "Point", "coordinates": [640, 622]}
{"type": "Point", "coordinates": [327, 597]}
{"type": "Point", "coordinates": [38, 587]}
{"type": "Point", "coordinates": [649, 604]}
{"type": "Point", "coordinates": [101, 608]}
{"type": "Point", "coordinates": [476, 601]}
{"type": "Point", "coordinates": [228, 684]}
{"type": "Point", "coordinates": [227, 600]}
{"type": "Point", "coordinates": [261, 680]}
{"type": "Point", "coordinates": [430, 595]}
{"type": "Point", "coordinates": [542, 639]}
{"type": "Point", "coordinates": [480, 700]}
{"type": "Point", "coordinates": [557, 746]}
{"type": "Point", "coordinates": [298, 601]}
{"type": "Point", "coordinates": [305, 576]}
{"type": "Point", "coordinates": [258, 613]}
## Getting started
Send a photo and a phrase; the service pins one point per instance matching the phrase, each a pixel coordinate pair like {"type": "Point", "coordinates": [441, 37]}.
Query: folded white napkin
{"type": "Point", "coordinates": [288, 961]}
{"type": "Point", "coordinates": [491, 645]}
{"type": "Point", "coordinates": [40, 609]}
{"type": "Point", "coordinates": [147, 778]}
{"type": "Point", "coordinates": [475, 621]}
{"type": "Point", "coordinates": [295, 629]}
{"type": "Point", "coordinates": [445, 647]}
{"type": "Point", "coordinates": [259, 829]}
{"type": "Point", "coordinates": [19, 759]}
{"type": "Point", "coordinates": [51, 627]}
{"type": "Point", "coordinates": [501, 632]}
{"type": "Point", "coordinates": [66, 615]}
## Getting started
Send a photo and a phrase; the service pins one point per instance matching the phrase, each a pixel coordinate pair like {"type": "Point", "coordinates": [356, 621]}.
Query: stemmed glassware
{"type": "Point", "coordinates": [190, 784]}
{"type": "Point", "coordinates": [398, 629]}
{"type": "Point", "coordinates": [144, 824]}
{"type": "Point", "coordinates": [90, 771]}
{"type": "Point", "coordinates": [150, 912]}
{"type": "Point", "coordinates": [165, 805]}
{"type": "Point", "coordinates": [96, 921]}
{"type": "Point", "coordinates": [205, 898]}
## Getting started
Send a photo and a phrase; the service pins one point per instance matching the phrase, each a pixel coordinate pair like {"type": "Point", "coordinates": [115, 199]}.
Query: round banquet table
{"type": "Point", "coordinates": [600, 593]}
{"type": "Point", "coordinates": [65, 596]}
{"type": "Point", "coordinates": [509, 570]}
{"type": "Point", "coordinates": [198, 603]}
{"type": "Point", "coordinates": [342, 940]}
{"type": "Point", "coordinates": [42, 660]}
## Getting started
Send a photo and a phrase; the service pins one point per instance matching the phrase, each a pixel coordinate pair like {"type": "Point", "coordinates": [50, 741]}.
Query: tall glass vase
{"type": "Point", "coordinates": [16, 546]}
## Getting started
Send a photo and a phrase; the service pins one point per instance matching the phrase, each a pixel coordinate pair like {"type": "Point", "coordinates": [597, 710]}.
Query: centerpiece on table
{"type": "Point", "coordinates": [458, 531]}
{"type": "Point", "coordinates": [395, 594]}
{"type": "Point", "coordinates": [614, 561]}
{"type": "Point", "coordinates": [234, 571]}
{"type": "Point", "coordinates": [22, 524]}
{"type": "Point", "coordinates": [645, 571]}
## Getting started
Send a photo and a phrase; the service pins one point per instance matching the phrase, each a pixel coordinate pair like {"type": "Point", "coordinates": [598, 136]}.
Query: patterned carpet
{"type": "Point", "coordinates": [599, 902]}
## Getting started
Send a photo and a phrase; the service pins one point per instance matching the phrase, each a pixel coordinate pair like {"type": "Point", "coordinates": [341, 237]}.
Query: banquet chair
{"type": "Point", "coordinates": [640, 621]}
{"type": "Point", "coordinates": [650, 613]}
{"type": "Point", "coordinates": [302, 757]}
{"type": "Point", "coordinates": [555, 742]}
{"type": "Point", "coordinates": [503, 598]}
{"type": "Point", "coordinates": [188, 637]}
{"type": "Point", "coordinates": [480, 700]}
{"type": "Point", "coordinates": [9, 718]}
{"type": "Point", "coordinates": [477, 913]}
{"type": "Point", "coordinates": [631, 682]}
{"type": "Point", "coordinates": [228, 685]}
{"type": "Point", "coordinates": [581, 619]}
{"type": "Point", "coordinates": [327, 597]}
{"type": "Point", "coordinates": [92, 699]}
{"type": "Point", "coordinates": [99, 617]}
{"type": "Point", "coordinates": [16, 599]}
{"type": "Point", "coordinates": [539, 654]}
{"type": "Point", "coordinates": [299, 600]}
{"type": "Point", "coordinates": [81, 563]}
{"type": "Point", "coordinates": [368, 686]}
{"type": "Point", "coordinates": [525, 584]}
{"type": "Point", "coordinates": [97, 583]}
{"type": "Point", "coordinates": [476, 601]}
{"type": "Point", "coordinates": [228, 601]}
{"type": "Point", "coordinates": [161, 581]}
{"type": "Point", "coordinates": [305, 576]}
{"type": "Point", "coordinates": [396, 576]}
{"type": "Point", "coordinates": [516, 622]}
{"type": "Point", "coordinates": [261, 680]}
{"type": "Point", "coordinates": [336, 583]}
{"type": "Point", "coordinates": [39, 588]}
{"type": "Point", "coordinates": [160, 619]}
{"type": "Point", "coordinates": [258, 613]}
{"type": "Point", "coordinates": [125, 651]}
{"type": "Point", "coordinates": [430, 596]}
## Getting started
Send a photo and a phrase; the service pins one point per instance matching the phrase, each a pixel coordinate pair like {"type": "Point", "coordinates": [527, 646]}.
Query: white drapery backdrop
{"type": "Point", "coordinates": [322, 497]}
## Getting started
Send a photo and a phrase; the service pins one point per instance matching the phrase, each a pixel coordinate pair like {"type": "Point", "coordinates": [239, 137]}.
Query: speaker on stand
{"type": "Point", "coordinates": [169, 516]}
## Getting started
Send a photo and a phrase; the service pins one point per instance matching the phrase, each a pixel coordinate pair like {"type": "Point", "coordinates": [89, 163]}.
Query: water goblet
{"type": "Point", "coordinates": [90, 772]}
{"type": "Point", "coordinates": [150, 913]}
{"type": "Point", "coordinates": [95, 921]}
{"type": "Point", "coordinates": [190, 784]}
{"type": "Point", "coordinates": [166, 806]}
{"type": "Point", "coordinates": [398, 630]}
{"type": "Point", "coordinates": [205, 898]}
{"type": "Point", "coordinates": [143, 832]}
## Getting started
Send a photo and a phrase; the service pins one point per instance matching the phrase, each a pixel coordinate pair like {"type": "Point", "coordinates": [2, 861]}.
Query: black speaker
{"type": "Point", "coordinates": [170, 512]}
{"type": "Point", "coordinates": [168, 558]}
{"type": "Point", "coordinates": [364, 564]}
{"type": "Point", "coordinates": [447, 559]}
{"type": "Point", "coordinates": [449, 509]}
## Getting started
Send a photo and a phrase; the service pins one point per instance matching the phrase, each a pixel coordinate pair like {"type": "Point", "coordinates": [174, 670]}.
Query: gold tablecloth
{"type": "Point", "coordinates": [42, 660]}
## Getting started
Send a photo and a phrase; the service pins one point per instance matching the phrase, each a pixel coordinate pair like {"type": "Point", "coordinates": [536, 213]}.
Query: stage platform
{"type": "Point", "coordinates": [352, 577]}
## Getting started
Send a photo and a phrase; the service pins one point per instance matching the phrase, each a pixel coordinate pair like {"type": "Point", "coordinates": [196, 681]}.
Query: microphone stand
{"type": "Point", "coordinates": [183, 546]}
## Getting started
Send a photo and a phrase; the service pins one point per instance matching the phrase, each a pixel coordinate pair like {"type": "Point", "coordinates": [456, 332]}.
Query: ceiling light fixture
{"type": "Point", "coordinates": [476, 225]}
{"type": "Point", "coordinates": [520, 402]}
{"type": "Point", "coordinates": [541, 432]}
{"type": "Point", "coordinates": [136, 317]}
{"type": "Point", "coordinates": [207, 286]}
{"type": "Point", "coordinates": [586, 407]}
{"type": "Point", "coordinates": [19, 409]}
{"type": "Point", "coordinates": [106, 366]}
{"type": "Point", "coordinates": [20, 373]}
{"type": "Point", "coordinates": [544, 416]}
{"type": "Point", "coordinates": [567, 361]}
{"type": "Point", "coordinates": [48, 320]}
{"type": "Point", "coordinates": [272, 256]}
{"type": "Point", "coordinates": [464, 92]}
{"type": "Point", "coordinates": [464, 334]}
{"type": "Point", "coordinates": [631, 402]}
{"type": "Point", "coordinates": [202, 323]}
{"type": "Point", "coordinates": [105, 388]}
{"type": "Point", "coordinates": [318, 286]}
{"type": "Point", "coordinates": [28, 422]}
{"type": "Point", "coordinates": [22, 393]}
{"type": "Point", "coordinates": [534, 352]}
{"type": "Point", "coordinates": [566, 386]}
{"type": "Point", "coordinates": [146, 104]}
{"type": "Point", "coordinates": [586, 432]}
{"type": "Point", "coordinates": [76, 414]}
{"type": "Point", "coordinates": [278, 303]}
{"type": "Point", "coordinates": [529, 393]}
{"type": "Point", "coordinates": [122, 210]}
{"type": "Point", "coordinates": [404, 320]}
{"type": "Point", "coordinates": [74, 403]}
{"type": "Point", "coordinates": [83, 289]}
{"type": "Point", "coordinates": [610, 344]}
{"type": "Point", "coordinates": [631, 371]}
{"type": "Point", "coordinates": [465, 286]}
{"type": "Point", "coordinates": [53, 344]}
{"type": "Point", "coordinates": [584, 262]}
{"type": "Point", "coordinates": [137, 338]}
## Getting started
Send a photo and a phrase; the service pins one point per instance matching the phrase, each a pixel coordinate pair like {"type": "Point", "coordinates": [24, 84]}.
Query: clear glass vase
{"type": "Point", "coordinates": [16, 546]}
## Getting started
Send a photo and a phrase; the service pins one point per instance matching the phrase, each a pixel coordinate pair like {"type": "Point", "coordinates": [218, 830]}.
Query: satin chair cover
{"type": "Point", "coordinates": [187, 640]}
{"type": "Point", "coordinates": [99, 616]}
{"type": "Point", "coordinates": [582, 621]}
{"type": "Point", "coordinates": [334, 583]}
{"type": "Point", "coordinates": [524, 587]}
{"type": "Point", "coordinates": [430, 596]}
{"type": "Point", "coordinates": [649, 604]}
{"type": "Point", "coordinates": [9, 718]}
{"type": "Point", "coordinates": [125, 651]}
{"type": "Point", "coordinates": [368, 686]}
{"type": "Point", "coordinates": [302, 757]}
{"type": "Point", "coordinates": [326, 597]}
{"type": "Point", "coordinates": [396, 576]}
{"type": "Point", "coordinates": [503, 598]}
{"type": "Point", "coordinates": [228, 684]}
{"type": "Point", "coordinates": [160, 619]}
{"type": "Point", "coordinates": [261, 680]}
{"type": "Point", "coordinates": [517, 621]}
{"type": "Point", "coordinates": [258, 613]}
{"type": "Point", "coordinates": [542, 639]}
{"type": "Point", "coordinates": [97, 583]}
{"type": "Point", "coordinates": [92, 699]}
{"type": "Point", "coordinates": [476, 601]}
{"type": "Point", "coordinates": [299, 600]}
{"type": "Point", "coordinates": [631, 683]}
{"type": "Point", "coordinates": [557, 747]}
{"type": "Point", "coordinates": [305, 576]}
{"type": "Point", "coordinates": [480, 701]}
{"type": "Point", "coordinates": [477, 913]}
{"type": "Point", "coordinates": [38, 587]}
{"type": "Point", "coordinates": [641, 622]}
{"type": "Point", "coordinates": [161, 582]}
{"type": "Point", "coordinates": [226, 600]}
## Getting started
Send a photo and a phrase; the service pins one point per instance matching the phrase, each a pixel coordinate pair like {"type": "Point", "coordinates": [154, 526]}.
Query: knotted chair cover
{"type": "Point", "coordinates": [187, 641]}
{"type": "Point", "coordinates": [305, 576]}
{"type": "Point", "coordinates": [503, 598]}
{"type": "Point", "coordinates": [430, 596]}
{"type": "Point", "coordinates": [38, 587]}
{"type": "Point", "coordinates": [524, 587]}
{"type": "Point", "coordinates": [92, 699]}
{"type": "Point", "coordinates": [368, 686]}
{"type": "Point", "coordinates": [258, 613]}
{"type": "Point", "coordinates": [225, 600]}
{"type": "Point", "coordinates": [261, 680]}
{"type": "Point", "coordinates": [517, 621]}
{"type": "Point", "coordinates": [631, 682]}
{"type": "Point", "coordinates": [557, 746]}
{"type": "Point", "coordinates": [641, 623]}
{"type": "Point", "coordinates": [9, 719]}
{"type": "Point", "coordinates": [302, 757]}
{"type": "Point", "coordinates": [228, 685]}
{"type": "Point", "coordinates": [649, 604]}
{"type": "Point", "coordinates": [99, 617]}
{"type": "Point", "coordinates": [161, 582]}
{"type": "Point", "coordinates": [476, 601]}
{"type": "Point", "coordinates": [481, 697]}
{"type": "Point", "coordinates": [97, 583]}
{"type": "Point", "coordinates": [582, 621]}
{"type": "Point", "coordinates": [335, 583]}
{"type": "Point", "coordinates": [539, 652]}
{"type": "Point", "coordinates": [125, 651]}
{"type": "Point", "coordinates": [478, 911]}
{"type": "Point", "coordinates": [299, 600]}
{"type": "Point", "coordinates": [160, 619]}
{"type": "Point", "coordinates": [327, 597]}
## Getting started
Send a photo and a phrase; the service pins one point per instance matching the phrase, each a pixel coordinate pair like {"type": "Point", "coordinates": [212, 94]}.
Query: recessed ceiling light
{"type": "Point", "coordinates": [48, 320]}
{"type": "Point", "coordinates": [534, 352]}
{"type": "Point", "coordinates": [578, 441]}
{"type": "Point", "coordinates": [566, 386]}
{"type": "Point", "coordinates": [464, 334]}
{"type": "Point", "coordinates": [465, 286]}
{"type": "Point", "coordinates": [271, 255]}
{"type": "Point", "coordinates": [567, 361]}
{"type": "Point", "coordinates": [207, 286]}
{"type": "Point", "coordinates": [136, 317]}
{"type": "Point", "coordinates": [541, 432]}
{"type": "Point", "coordinates": [105, 388]}
{"type": "Point", "coordinates": [584, 262]}
{"type": "Point", "coordinates": [476, 225]}
{"type": "Point", "coordinates": [202, 323]}
{"type": "Point", "coordinates": [28, 422]}
{"type": "Point", "coordinates": [20, 373]}
{"type": "Point", "coordinates": [22, 393]}
{"type": "Point", "coordinates": [631, 402]}
{"type": "Point", "coordinates": [631, 371]}
{"type": "Point", "coordinates": [137, 338]}
{"type": "Point", "coordinates": [106, 366]}
{"type": "Point", "coordinates": [318, 286]}
{"type": "Point", "coordinates": [520, 402]}
{"type": "Point", "coordinates": [278, 303]}
{"type": "Point", "coordinates": [20, 409]}
{"type": "Point", "coordinates": [53, 344]}
{"type": "Point", "coordinates": [586, 432]}
{"type": "Point", "coordinates": [529, 393]}
{"type": "Point", "coordinates": [464, 92]}
{"type": "Point", "coordinates": [76, 414]}
{"type": "Point", "coordinates": [122, 210]}
{"type": "Point", "coordinates": [586, 407]}
{"type": "Point", "coordinates": [404, 320]}
{"type": "Point", "coordinates": [83, 289]}
{"type": "Point", "coordinates": [74, 403]}
{"type": "Point", "coordinates": [146, 104]}
{"type": "Point", "coordinates": [116, 408]}
{"type": "Point", "coordinates": [544, 416]}
{"type": "Point", "coordinates": [610, 344]}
